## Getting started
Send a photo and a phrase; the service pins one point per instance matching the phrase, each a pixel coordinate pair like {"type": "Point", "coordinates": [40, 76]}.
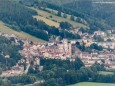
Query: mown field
{"type": "Point", "coordinates": [92, 84]}
{"type": "Point", "coordinates": [105, 73]}
{"type": "Point", "coordinates": [55, 20]}
{"type": "Point", "coordinates": [21, 35]}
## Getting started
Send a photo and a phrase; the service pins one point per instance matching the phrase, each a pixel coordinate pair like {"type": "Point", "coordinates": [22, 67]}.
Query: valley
{"type": "Point", "coordinates": [57, 43]}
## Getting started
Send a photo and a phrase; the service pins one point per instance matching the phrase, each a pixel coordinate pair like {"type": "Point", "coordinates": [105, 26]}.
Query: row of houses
{"type": "Point", "coordinates": [65, 50]}
{"type": "Point", "coordinates": [59, 50]}
{"type": "Point", "coordinates": [14, 71]}
{"type": "Point", "coordinates": [107, 58]}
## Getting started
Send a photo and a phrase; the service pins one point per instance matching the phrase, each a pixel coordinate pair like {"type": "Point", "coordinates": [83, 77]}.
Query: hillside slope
{"type": "Point", "coordinates": [95, 8]}
{"type": "Point", "coordinates": [55, 20]}
{"type": "Point", "coordinates": [21, 18]}
{"type": "Point", "coordinates": [57, 2]}
{"type": "Point", "coordinates": [20, 34]}
{"type": "Point", "coordinates": [13, 12]}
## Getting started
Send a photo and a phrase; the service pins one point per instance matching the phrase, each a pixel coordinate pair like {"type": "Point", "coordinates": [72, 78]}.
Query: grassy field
{"type": "Point", "coordinates": [49, 21]}
{"type": "Point", "coordinates": [21, 35]}
{"type": "Point", "coordinates": [55, 11]}
{"type": "Point", "coordinates": [92, 84]}
{"type": "Point", "coordinates": [105, 73]}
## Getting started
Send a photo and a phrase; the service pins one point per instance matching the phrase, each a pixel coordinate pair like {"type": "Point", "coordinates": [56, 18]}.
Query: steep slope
{"type": "Point", "coordinates": [11, 11]}
{"type": "Point", "coordinates": [21, 18]}
{"type": "Point", "coordinates": [55, 20]}
{"type": "Point", "coordinates": [20, 34]}
{"type": "Point", "coordinates": [94, 22]}
{"type": "Point", "coordinates": [57, 2]}
{"type": "Point", "coordinates": [96, 8]}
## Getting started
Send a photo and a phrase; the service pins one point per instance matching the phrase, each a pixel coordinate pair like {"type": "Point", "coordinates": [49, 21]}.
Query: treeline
{"type": "Point", "coordinates": [60, 73]}
{"type": "Point", "coordinates": [65, 72]}
{"type": "Point", "coordinates": [12, 81]}
{"type": "Point", "coordinates": [90, 48]}
{"type": "Point", "coordinates": [24, 79]}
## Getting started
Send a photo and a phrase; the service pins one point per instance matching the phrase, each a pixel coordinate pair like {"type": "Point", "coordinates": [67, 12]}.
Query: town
{"type": "Point", "coordinates": [64, 49]}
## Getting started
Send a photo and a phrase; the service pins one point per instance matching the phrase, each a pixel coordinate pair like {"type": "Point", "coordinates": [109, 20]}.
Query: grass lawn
{"type": "Point", "coordinates": [105, 73]}
{"type": "Point", "coordinates": [56, 18]}
{"type": "Point", "coordinates": [21, 35]}
{"type": "Point", "coordinates": [92, 84]}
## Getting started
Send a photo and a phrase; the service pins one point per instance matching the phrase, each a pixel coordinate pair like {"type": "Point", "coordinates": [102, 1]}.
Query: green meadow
{"type": "Point", "coordinates": [21, 35]}
{"type": "Point", "coordinates": [92, 84]}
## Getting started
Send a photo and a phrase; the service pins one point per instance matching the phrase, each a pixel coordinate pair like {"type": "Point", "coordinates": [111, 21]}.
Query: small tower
{"type": "Point", "coordinates": [37, 61]}
{"type": "Point", "coordinates": [65, 44]}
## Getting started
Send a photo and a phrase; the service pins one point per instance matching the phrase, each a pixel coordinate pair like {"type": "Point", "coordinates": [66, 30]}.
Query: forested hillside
{"type": "Point", "coordinates": [13, 13]}
{"type": "Point", "coordinates": [94, 22]}
{"type": "Point", "coordinates": [57, 2]}
{"type": "Point", "coordinates": [95, 8]}
{"type": "Point", "coordinates": [98, 10]}
{"type": "Point", "coordinates": [9, 53]}
{"type": "Point", "coordinates": [70, 8]}
{"type": "Point", "coordinates": [20, 18]}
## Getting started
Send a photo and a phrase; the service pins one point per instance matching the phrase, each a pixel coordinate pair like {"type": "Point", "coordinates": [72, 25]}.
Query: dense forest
{"type": "Point", "coordinates": [9, 53]}
{"type": "Point", "coordinates": [60, 73]}
{"type": "Point", "coordinates": [103, 11]}
{"type": "Point", "coordinates": [57, 2]}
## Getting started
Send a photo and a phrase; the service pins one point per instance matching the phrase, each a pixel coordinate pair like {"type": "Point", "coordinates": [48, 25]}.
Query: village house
{"type": "Point", "coordinates": [99, 33]}
{"type": "Point", "coordinates": [80, 33]}
{"type": "Point", "coordinates": [87, 42]}
{"type": "Point", "coordinates": [74, 31]}
{"type": "Point", "coordinates": [110, 45]}
{"type": "Point", "coordinates": [15, 71]}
